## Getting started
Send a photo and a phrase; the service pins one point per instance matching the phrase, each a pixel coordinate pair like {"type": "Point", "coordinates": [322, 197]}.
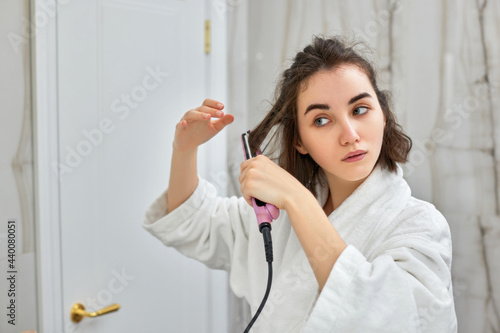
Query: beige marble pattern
{"type": "Point", "coordinates": [441, 62]}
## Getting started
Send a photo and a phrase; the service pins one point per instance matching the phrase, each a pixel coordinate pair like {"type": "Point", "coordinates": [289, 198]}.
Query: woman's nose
{"type": "Point", "coordinates": [349, 134]}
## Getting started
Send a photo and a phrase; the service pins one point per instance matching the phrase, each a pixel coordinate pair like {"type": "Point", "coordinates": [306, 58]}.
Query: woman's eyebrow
{"type": "Point", "coordinates": [327, 107]}
{"type": "Point", "coordinates": [358, 97]}
{"type": "Point", "coordinates": [317, 106]}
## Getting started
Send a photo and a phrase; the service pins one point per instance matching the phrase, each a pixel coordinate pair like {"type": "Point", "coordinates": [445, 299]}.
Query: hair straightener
{"type": "Point", "coordinates": [265, 214]}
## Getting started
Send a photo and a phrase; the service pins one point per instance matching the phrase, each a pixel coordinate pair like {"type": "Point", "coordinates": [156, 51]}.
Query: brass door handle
{"type": "Point", "coordinates": [78, 312]}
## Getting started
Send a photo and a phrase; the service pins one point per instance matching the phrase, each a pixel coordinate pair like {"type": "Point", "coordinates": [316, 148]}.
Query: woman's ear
{"type": "Point", "coordinates": [300, 148]}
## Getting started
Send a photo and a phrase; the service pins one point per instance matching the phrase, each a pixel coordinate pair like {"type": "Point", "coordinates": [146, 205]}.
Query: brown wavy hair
{"type": "Point", "coordinates": [281, 122]}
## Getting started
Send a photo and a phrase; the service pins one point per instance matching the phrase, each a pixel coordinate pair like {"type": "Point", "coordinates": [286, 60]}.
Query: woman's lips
{"type": "Point", "coordinates": [354, 153]}
{"type": "Point", "coordinates": [355, 158]}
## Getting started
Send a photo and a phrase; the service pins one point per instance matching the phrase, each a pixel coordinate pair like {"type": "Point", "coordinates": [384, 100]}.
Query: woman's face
{"type": "Point", "coordinates": [339, 113]}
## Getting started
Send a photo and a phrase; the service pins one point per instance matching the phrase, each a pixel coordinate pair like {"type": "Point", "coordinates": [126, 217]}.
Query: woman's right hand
{"type": "Point", "coordinates": [197, 126]}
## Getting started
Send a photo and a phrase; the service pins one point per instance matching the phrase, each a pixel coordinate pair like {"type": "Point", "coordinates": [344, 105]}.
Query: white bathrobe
{"type": "Point", "coordinates": [394, 275]}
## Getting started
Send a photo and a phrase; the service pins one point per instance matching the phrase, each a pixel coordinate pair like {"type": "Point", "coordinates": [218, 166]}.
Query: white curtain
{"type": "Point", "coordinates": [441, 62]}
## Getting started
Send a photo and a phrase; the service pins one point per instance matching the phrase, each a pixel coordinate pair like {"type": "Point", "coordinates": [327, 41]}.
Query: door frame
{"type": "Point", "coordinates": [44, 68]}
{"type": "Point", "coordinates": [45, 149]}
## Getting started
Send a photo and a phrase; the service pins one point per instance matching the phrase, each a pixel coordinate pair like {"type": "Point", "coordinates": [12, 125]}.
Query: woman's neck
{"type": "Point", "coordinates": [338, 192]}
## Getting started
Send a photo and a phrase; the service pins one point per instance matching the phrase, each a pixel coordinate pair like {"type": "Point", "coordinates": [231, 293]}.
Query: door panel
{"type": "Point", "coordinates": [128, 70]}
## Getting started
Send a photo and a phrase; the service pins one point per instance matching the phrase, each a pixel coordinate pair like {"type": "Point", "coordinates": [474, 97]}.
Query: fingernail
{"type": "Point", "coordinates": [220, 105]}
{"type": "Point", "coordinates": [206, 116]}
{"type": "Point", "coordinates": [219, 113]}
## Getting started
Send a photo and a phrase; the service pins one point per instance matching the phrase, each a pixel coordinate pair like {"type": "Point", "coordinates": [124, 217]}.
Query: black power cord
{"type": "Point", "coordinates": [265, 229]}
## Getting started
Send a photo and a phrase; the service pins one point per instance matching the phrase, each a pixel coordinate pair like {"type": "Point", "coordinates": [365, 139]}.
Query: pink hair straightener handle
{"type": "Point", "coordinates": [265, 212]}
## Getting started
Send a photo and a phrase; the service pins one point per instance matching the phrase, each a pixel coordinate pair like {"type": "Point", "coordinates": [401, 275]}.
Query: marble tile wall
{"type": "Point", "coordinates": [441, 62]}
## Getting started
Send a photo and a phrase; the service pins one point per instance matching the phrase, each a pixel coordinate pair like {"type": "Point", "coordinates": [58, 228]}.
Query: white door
{"type": "Point", "coordinates": [127, 71]}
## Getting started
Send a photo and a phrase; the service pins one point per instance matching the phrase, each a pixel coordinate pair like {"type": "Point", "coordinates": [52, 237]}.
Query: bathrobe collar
{"type": "Point", "coordinates": [373, 189]}
{"type": "Point", "coordinates": [373, 205]}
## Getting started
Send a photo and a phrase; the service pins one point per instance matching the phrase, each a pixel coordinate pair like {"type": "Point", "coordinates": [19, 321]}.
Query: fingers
{"type": "Point", "coordinates": [243, 172]}
{"type": "Point", "coordinates": [242, 180]}
{"type": "Point", "coordinates": [219, 124]}
{"type": "Point", "coordinates": [247, 168]}
{"type": "Point", "coordinates": [248, 199]}
{"type": "Point", "coordinates": [210, 108]}
{"type": "Point", "coordinates": [252, 169]}
{"type": "Point", "coordinates": [211, 111]}
{"type": "Point", "coordinates": [197, 127]}
{"type": "Point", "coordinates": [212, 103]}
{"type": "Point", "coordinates": [181, 125]}
{"type": "Point", "coordinates": [195, 115]}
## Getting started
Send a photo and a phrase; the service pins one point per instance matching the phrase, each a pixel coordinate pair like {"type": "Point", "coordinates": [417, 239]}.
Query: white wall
{"type": "Point", "coordinates": [16, 168]}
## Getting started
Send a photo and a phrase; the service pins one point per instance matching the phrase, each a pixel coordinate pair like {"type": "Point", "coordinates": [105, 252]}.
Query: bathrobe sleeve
{"type": "Point", "coordinates": [205, 227]}
{"type": "Point", "coordinates": [406, 287]}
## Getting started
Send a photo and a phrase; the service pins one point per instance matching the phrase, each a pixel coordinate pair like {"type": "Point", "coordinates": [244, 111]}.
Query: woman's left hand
{"type": "Point", "coordinates": [263, 179]}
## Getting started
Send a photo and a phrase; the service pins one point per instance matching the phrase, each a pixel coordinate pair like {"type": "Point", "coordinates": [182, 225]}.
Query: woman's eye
{"type": "Point", "coordinates": [320, 121]}
{"type": "Point", "coordinates": [360, 110]}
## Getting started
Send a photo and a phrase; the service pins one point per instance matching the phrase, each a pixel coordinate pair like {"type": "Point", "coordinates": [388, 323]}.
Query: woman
{"type": "Point", "coordinates": [354, 251]}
